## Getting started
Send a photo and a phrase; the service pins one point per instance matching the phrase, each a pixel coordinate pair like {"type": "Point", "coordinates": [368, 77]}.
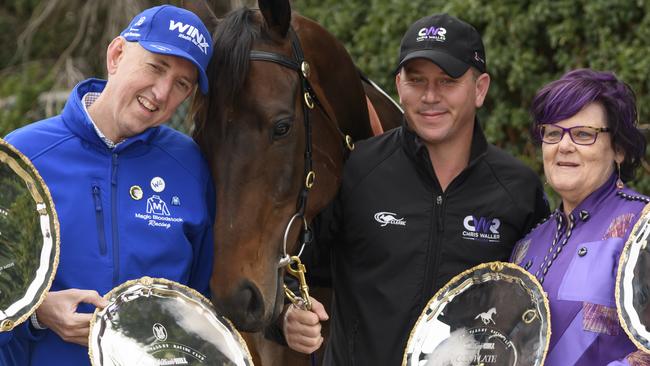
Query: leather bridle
{"type": "Point", "coordinates": [309, 100]}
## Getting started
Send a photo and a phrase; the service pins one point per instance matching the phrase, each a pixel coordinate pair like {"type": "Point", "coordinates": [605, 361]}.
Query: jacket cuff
{"type": "Point", "coordinates": [27, 331]}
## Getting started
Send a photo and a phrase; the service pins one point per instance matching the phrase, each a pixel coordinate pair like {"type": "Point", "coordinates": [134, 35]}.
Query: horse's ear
{"type": "Point", "coordinates": [277, 14]}
{"type": "Point", "coordinates": [202, 9]}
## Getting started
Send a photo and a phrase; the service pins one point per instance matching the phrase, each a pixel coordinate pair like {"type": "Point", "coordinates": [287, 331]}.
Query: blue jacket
{"type": "Point", "coordinates": [144, 208]}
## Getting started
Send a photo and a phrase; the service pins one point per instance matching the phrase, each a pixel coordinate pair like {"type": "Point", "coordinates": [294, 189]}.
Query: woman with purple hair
{"type": "Point", "coordinates": [586, 123]}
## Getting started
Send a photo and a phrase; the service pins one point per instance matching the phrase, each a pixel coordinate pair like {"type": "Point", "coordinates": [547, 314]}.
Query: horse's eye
{"type": "Point", "coordinates": [281, 129]}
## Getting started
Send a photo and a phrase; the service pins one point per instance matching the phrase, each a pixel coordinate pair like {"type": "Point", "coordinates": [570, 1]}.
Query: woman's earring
{"type": "Point", "coordinates": [619, 182]}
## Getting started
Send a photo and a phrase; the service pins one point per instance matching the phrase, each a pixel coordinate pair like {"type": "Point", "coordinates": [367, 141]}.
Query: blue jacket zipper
{"type": "Point", "coordinates": [116, 238]}
{"type": "Point", "coordinates": [99, 216]}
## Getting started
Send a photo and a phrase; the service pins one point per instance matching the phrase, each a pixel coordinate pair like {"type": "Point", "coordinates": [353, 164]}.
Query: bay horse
{"type": "Point", "coordinates": [270, 126]}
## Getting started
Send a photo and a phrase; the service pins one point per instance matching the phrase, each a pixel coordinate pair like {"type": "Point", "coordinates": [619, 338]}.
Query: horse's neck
{"type": "Point", "coordinates": [336, 78]}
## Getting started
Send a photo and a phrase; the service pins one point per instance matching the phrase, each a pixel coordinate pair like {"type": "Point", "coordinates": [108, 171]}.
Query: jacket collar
{"type": "Point", "coordinates": [594, 202]}
{"type": "Point", "coordinates": [77, 120]}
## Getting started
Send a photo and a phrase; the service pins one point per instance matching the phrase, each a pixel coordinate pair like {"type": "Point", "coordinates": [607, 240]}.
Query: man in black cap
{"type": "Point", "coordinates": [418, 204]}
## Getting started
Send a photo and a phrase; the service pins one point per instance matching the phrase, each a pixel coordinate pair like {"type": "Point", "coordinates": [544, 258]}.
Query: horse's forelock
{"type": "Point", "coordinates": [234, 38]}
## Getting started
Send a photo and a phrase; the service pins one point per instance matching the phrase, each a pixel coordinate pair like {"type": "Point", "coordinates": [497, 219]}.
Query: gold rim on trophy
{"type": "Point", "coordinates": [633, 283]}
{"type": "Point", "coordinates": [29, 238]}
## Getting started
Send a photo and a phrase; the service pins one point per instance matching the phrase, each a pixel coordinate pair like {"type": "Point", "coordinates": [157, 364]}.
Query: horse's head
{"type": "Point", "coordinates": [252, 129]}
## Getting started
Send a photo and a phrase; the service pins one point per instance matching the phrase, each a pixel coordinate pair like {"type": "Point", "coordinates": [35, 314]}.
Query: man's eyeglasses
{"type": "Point", "coordinates": [581, 135]}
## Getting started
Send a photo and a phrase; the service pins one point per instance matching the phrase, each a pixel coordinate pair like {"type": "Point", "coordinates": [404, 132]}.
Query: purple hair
{"type": "Point", "coordinates": [561, 99]}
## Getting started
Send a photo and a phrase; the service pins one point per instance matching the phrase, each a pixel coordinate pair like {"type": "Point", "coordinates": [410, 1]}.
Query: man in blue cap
{"type": "Point", "coordinates": [133, 198]}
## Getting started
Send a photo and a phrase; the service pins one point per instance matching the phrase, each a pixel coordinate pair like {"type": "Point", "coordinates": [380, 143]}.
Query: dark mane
{"type": "Point", "coordinates": [227, 71]}
{"type": "Point", "coordinates": [234, 38]}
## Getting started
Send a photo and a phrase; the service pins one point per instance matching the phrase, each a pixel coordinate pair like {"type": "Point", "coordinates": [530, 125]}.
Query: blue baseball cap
{"type": "Point", "coordinates": [168, 30]}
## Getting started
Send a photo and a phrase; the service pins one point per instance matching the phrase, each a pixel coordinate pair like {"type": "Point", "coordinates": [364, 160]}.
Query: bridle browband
{"type": "Point", "coordinates": [309, 99]}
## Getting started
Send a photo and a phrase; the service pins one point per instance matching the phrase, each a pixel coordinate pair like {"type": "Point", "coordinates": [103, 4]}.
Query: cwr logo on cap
{"type": "Point", "coordinates": [433, 32]}
{"type": "Point", "coordinates": [190, 33]}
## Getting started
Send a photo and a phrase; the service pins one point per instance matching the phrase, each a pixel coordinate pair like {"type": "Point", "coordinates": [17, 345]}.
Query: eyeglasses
{"type": "Point", "coordinates": [581, 135]}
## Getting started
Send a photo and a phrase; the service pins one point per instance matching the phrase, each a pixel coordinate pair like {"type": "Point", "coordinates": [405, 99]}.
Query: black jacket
{"type": "Point", "coordinates": [395, 238]}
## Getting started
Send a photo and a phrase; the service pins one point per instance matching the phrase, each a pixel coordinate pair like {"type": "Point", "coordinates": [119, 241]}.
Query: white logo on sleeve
{"type": "Point", "coordinates": [385, 218]}
{"type": "Point", "coordinates": [158, 184]}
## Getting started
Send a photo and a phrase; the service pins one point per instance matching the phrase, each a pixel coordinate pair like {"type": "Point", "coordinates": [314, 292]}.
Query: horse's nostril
{"type": "Point", "coordinates": [244, 307]}
{"type": "Point", "coordinates": [250, 300]}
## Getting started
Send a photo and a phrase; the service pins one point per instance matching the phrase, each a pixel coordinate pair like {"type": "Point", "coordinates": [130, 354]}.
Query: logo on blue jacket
{"type": "Point", "coordinates": [155, 205]}
{"type": "Point", "coordinates": [158, 214]}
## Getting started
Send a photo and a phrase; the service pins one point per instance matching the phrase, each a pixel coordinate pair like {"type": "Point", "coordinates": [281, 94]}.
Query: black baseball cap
{"type": "Point", "coordinates": [445, 40]}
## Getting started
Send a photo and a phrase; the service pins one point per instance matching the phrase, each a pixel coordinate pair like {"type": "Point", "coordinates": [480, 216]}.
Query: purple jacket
{"type": "Point", "coordinates": [576, 259]}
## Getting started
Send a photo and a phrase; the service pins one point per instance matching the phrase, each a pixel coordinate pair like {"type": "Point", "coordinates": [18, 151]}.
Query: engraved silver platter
{"type": "Point", "coordinates": [153, 322]}
{"type": "Point", "coordinates": [493, 314]}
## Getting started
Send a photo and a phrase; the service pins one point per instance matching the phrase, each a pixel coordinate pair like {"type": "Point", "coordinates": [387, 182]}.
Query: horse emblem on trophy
{"type": "Point", "coordinates": [486, 317]}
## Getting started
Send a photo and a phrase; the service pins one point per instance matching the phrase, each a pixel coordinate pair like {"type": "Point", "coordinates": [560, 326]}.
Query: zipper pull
{"type": "Point", "coordinates": [441, 226]}
{"type": "Point", "coordinates": [98, 201]}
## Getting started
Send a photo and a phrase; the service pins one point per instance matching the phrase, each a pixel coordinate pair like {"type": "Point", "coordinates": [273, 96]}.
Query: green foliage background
{"type": "Point", "coordinates": [51, 45]}
{"type": "Point", "coordinates": [528, 44]}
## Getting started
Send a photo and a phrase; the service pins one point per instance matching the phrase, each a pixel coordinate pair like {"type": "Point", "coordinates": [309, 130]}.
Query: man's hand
{"type": "Point", "coordinates": [302, 327]}
{"type": "Point", "coordinates": [59, 313]}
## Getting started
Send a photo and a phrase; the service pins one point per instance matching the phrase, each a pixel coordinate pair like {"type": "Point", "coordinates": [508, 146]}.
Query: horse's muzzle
{"type": "Point", "coordinates": [245, 308]}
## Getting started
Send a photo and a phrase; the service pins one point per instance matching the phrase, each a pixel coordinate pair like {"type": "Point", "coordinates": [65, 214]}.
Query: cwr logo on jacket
{"type": "Point", "coordinates": [481, 228]}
